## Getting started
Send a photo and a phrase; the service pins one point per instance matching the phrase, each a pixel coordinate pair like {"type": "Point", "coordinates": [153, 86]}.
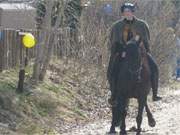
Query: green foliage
{"type": "Point", "coordinates": [8, 80]}
{"type": "Point", "coordinates": [69, 11]}
{"type": "Point", "coordinates": [31, 128]}
{"type": "Point", "coordinates": [72, 13]}
{"type": "Point", "coordinates": [177, 5]}
{"type": "Point", "coordinates": [40, 11]}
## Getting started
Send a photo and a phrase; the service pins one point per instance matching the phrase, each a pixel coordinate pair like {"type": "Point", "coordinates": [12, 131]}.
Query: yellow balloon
{"type": "Point", "coordinates": [28, 40]}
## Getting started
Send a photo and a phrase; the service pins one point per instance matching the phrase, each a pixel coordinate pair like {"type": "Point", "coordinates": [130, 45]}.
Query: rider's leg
{"type": "Point", "coordinates": [154, 77]}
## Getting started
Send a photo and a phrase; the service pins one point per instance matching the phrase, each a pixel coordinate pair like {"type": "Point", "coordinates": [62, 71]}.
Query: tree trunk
{"type": "Point", "coordinates": [46, 26]}
{"type": "Point", "coordinates": [39, 56]}
{"type": "Point", "coordinates": [43, 58]}
{"type": "Point", "coordinates": [47, 57]}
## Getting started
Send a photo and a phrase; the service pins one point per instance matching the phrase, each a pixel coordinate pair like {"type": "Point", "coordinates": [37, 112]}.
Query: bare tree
{"type": "Point", "coordinates": [52, 15]}
{"type": "Point", "coordinates": [47, 36]}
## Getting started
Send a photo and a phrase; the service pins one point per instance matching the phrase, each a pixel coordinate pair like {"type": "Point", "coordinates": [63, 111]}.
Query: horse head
{"type": "Point", "coordinates": [134, 55]}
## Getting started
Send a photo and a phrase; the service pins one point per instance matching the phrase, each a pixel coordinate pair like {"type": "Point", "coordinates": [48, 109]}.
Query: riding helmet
{"type": "Point", "coordinates": [129, 6]}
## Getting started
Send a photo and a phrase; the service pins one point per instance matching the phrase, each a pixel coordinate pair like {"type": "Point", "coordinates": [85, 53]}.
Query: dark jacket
{"type": "Point", "coordinates": [137, 26]}
{"type": "Point", "coordinates": [117, 39]}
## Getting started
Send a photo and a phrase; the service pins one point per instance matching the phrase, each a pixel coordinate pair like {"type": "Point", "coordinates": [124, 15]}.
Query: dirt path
{"type": "Point", "coordinates": [166, 113]}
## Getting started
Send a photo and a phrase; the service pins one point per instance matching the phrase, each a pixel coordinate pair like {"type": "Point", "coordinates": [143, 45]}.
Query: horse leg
{"type": "Point", "coordinates": [114, 120]}
{"type": "Point", "coordinates": [151, 120]}
{"type": "Point", "coordinates": [142, 103]}
{"type": "Point", "coordinates": [123, 116]}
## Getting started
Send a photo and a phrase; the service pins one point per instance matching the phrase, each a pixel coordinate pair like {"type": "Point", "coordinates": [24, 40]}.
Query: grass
{"type": "Point", "coordinates": [8, 80]}
{"type": "Point", "coordinates": [64, 95]}
{"type": "Point", "coordinates": [80, 112]}
{"type": "Point", "coordinates": [47, 101]}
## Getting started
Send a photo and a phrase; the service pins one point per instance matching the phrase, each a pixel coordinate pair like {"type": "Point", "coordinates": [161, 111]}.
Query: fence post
{"type": "Point", "coordinates": [22, 66]}
{"type": "Point", "coordinates": [1, 50]}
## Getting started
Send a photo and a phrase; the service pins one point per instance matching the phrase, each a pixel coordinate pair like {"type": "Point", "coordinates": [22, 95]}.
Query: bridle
{"type": "Point", "coordinates": [137, 71]}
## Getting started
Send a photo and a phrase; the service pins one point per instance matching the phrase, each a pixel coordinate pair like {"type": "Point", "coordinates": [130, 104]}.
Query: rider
{"type": "Point", "coordinates": [121, 32]}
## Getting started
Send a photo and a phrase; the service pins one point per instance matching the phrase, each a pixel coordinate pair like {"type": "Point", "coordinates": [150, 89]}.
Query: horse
{"type": "Point", "coordinates": [133, 81]}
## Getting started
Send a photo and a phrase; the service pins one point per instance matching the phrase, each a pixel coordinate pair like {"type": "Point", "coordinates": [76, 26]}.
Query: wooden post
{"type": "Point", "coordinates": [6, 50]}
{"type": "Point", "coordinates": [1, 51]}
{"type": "Point", "coordinates": [26, 57]}
{"type": "Point", "coordinates": [20, 87]}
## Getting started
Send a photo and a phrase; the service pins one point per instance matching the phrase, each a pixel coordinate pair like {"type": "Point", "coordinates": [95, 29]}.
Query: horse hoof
{"type": "Point", "coordinates": [133, 129]}
{"type": "Point", "coordinates": [112, 130]}
{"type": "Point", "coordinates": [123, 133]}
{"type": "Point", "coordinates": [138, 131]}
{"type": "Point", "coordinates": [152, 123]}
{"type": "Point", "coordinates": [112, 133]}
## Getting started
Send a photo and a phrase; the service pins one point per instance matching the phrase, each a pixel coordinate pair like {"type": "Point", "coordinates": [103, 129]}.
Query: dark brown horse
{"type": "Point", "coordinates": [133, 82]}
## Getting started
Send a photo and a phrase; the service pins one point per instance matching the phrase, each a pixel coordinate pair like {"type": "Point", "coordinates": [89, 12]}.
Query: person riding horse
{"type": "Point", "coordinates": [121, 32]}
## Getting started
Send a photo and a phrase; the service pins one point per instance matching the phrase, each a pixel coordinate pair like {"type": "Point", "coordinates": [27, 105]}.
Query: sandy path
{"type": "Point", "coordinates": [166, 113]}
